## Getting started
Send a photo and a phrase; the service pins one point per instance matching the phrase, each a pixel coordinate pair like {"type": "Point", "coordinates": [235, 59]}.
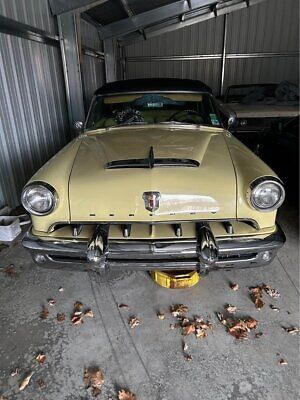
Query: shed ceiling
{"type": "Point", "coordinates": [131, 20]}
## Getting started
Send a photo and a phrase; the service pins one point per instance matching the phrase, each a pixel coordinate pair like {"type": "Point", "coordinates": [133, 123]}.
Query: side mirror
{"type": "Point", "coordinates": [232, 121]}
{"type": "Point", "coordinates": [78, 126]}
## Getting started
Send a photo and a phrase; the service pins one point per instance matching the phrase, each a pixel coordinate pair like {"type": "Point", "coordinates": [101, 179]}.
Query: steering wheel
{"type": "Point", "coordinates": [193, 112]}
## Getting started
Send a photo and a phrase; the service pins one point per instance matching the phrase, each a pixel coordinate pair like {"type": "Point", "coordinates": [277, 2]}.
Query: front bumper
{"type": "Point", "coordinates": [180, 254]}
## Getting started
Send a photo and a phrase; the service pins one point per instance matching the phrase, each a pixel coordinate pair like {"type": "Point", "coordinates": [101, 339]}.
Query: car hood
{"type": "Point", "coordinates": [264, 110]}
{"type": "Point", "coordinates": [97, 193]}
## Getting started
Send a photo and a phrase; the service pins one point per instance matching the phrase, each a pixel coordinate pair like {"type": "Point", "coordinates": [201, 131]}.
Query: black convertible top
{"type": "Point", "coordinates": [153, 84]}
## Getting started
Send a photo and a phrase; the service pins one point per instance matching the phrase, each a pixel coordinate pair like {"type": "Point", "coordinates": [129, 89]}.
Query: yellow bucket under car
{"type": "Point", "coordinates": [175, 279]}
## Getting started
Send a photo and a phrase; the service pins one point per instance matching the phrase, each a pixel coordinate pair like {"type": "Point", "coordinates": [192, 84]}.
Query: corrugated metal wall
{"type": "Point", "coordinates": [92, 68]}
{"type": "Point", "coordinates": [33, 116]}
{"type": "Point", "coordinates": [33, 111]}
{"type": "Point", "coordinates": [199, 39]}
{"type": "Point", "coordinates": [271, 26]}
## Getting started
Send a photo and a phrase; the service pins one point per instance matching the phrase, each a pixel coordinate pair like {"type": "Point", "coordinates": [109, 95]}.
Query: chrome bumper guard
{"type": "Point", "coordinates": [204, 254]}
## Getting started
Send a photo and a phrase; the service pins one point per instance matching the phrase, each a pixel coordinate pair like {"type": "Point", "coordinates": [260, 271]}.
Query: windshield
{"type": "Point", "coordinates": [152, 108]}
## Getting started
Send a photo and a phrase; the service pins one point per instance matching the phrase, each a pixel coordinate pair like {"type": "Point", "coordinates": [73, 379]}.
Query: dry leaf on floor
{"type": "Point", "coordinates": [240, 328]}
{"type": "Point", "coordinates": [89, 313]}
{"type": "Point", "coordinates": [201, 324]}
{"type": "Point", "coordinates": [282, 361]}
{"type": "Point", "coordinates": [251, 323]}
{"type": "Point", "coordinates": [200, 333]}
{"type": "Point", "coordinates": [93, 377]}
{"type": "Point", "coordinates": [77, 319]}
{"type": "Point", "coordinates": [178, 310]}
{"type": "Point", "coordinates": [258, 335]}
{"type": "Point", "coordinates": [126, 395]}
{"type": "Point", "coordinates": [61, 317]}
{"type": "Point", "coordinates": [25, 382]}
{"type": "Point", "coordinates": [77, 313]}
{"type": "Point", "coordinates": [231, 309]}
{"type": "Point", "coordinates": [291, 330]}
{"type": "Point", "coordinates": [256, 294]}
{"type": "Point", "coordinates": [51, 302]}
{"type": "Point", "coordinates": [274, 293]}
{"type": "Point", "coordinates": [44, 314]}
{"type": "Point", "coordinates": [41, 383]}
{"type": "Point", "coordinates": [188, 357]}
{"type": "Point", "coordinates": [10, 270]}
{"type": "Point", "coordinates": [184, 321]}
{"type": "Point", "coordinates": [274, 308]}
{"type": "Point", "coordinates": [14, 372]}
{"type": "Point", "coordinates": [160, 316]}
{"type": "Point", "coordinates": [258, 303]}
{"type": "Point", "coordinates": [172, 326]}
{"type": "Point", "coordinates": [234, 286]}
{"type": "Point", "coordinates": [78, 306]}
{"type": "Point", "coordinates": [221, 318]}
{"type": "Point", "coordinates": [41, 358]}
{"type": "Point", "coordinates": [188, 329]}
{"type": "Point", "coordinates": [96, 391]}
{"type": "Point", "coordinates": [134, 322]}
{"type": "Point", "coordinates": [123, 306]}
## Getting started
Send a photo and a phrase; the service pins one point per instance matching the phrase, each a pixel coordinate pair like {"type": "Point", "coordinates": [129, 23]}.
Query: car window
{"type": "Point", "coordinates": [151, 108]}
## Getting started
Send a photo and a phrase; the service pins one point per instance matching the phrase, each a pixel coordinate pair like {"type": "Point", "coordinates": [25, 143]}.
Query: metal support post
{"type": "Point", "coordinates": [68, 25]}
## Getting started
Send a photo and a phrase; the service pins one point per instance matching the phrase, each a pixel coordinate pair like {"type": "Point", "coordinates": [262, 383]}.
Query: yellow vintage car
{"type": "Point", "coordinates": [154, 182]}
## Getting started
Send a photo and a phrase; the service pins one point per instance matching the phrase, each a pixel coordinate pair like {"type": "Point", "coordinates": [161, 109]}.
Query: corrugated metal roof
{"type": "Point", "coordinates": [108, 12]}
{"type": "Point", "coordinates": [138, 6]}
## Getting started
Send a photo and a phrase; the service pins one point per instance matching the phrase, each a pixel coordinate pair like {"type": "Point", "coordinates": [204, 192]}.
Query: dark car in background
{"type": "Point", "coordinates": [281, 152]}
{"type": "Point", "coordinates": [259, 109]}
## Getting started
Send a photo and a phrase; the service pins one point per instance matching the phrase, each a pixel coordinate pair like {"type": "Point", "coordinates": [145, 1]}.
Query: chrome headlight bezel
{"type": "Point", "coordinates": [257, 184]}
{"type": "Point", "coordinates": [42, 185]}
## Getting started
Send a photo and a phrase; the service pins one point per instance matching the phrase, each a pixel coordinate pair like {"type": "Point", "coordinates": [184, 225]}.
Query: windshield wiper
{"type": "Point", "coordinates": [177, 123]}
{"type": "Point", "coordinates": [130, 123]}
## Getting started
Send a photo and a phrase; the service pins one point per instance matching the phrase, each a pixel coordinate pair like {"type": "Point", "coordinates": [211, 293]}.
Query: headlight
{"type": "Point", "coordinates": [39, 198]}
{"type": "Point", "coordinates": [267, 194]}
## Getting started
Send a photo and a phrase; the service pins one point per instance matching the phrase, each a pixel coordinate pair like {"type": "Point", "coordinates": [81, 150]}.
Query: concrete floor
{"type": "Point", "coordinates": [148, 360]}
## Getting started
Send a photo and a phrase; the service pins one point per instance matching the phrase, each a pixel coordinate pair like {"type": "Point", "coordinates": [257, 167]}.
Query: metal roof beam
{"type": "Point", "coordinates": [65, 6]}
{"type": "Point", "coordinates": [191, 18]}
{"type": "Point", "coordinates": [129, 12]}
{"type": "Point", "coordinates": [139, 21]}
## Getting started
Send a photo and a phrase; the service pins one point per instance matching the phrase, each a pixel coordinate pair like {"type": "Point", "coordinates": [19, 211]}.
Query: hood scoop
{"type": "Point", "coordinates": [152, 162]}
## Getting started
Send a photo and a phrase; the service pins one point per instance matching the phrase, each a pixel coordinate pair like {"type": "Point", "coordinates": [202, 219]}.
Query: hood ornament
{"type": "Point", "coordinates": [151, 200]}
